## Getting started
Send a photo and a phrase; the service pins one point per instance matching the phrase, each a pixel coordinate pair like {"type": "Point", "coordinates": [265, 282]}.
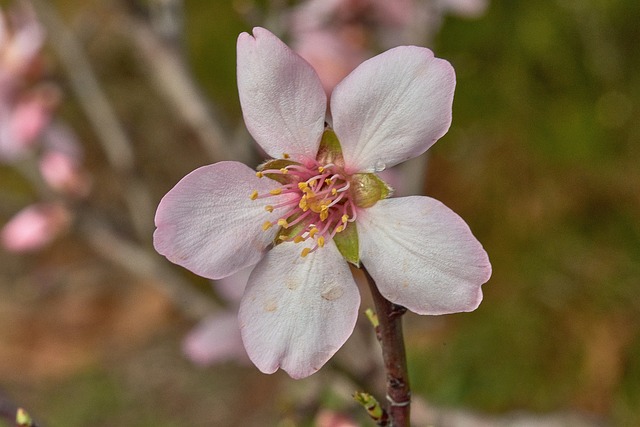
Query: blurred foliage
{"type": "Point", "coordinates": [542, 161]}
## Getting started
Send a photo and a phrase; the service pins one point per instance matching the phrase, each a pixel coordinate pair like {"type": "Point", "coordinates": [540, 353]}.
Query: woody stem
{"type": "Point", "coordinates": [389, 333]}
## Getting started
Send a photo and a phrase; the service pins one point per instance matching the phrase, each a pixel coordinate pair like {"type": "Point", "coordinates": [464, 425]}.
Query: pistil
{"type": "Point", "coordinates": [322, 206]}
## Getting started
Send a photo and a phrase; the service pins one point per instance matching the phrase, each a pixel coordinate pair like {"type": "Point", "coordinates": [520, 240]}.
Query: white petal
{"type": "Point", "coordinates": [392, 107]}
{"type": "Point", "coordinates": [297, 312]}
{"type": "Point", "coordinates": [422, 255]}
{"type": "Point", "coordinates": [209, 224]}
{"type": "Point", "coordinates": [282, 99]}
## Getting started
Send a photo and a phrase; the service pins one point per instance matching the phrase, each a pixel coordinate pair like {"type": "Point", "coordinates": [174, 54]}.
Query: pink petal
{"type": "Point", "coordinates": [209, 224]}
{"type": "Point", "coordinates": [297, 312]}
{"type": "Point", "coordinates": [282, 99]}
{"type": "Point", "coordinates": [392, 107]}
{"type": "Point", "coordinates": [215, 340]}
{"type": "Point", "coordinates": [422, 255]}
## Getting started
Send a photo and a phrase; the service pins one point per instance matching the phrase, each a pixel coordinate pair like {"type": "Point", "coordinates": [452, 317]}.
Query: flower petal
{"type": "Point", "coordinates": [209, 224]}
{"type": "Point", "coordinates": [282, 99]}
{"type": "Point", "coordinates": [297, 312]}
{"type": "Point", "coordinates": [392, 107]}
{"type": "Point", "coordinates": [422, 255]}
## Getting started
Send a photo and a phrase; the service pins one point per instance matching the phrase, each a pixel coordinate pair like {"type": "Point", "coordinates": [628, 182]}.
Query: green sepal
{"type": "Point", "coordinates": [277, 164]}
{"type": "Point", "coordinates": [330, 150]}
{"type": "Point", "coordinates": [287, 234]}
{"type": "Point", "coordinates": [347, 243]}
{"type": "Point", "coordinates": [367, 189]}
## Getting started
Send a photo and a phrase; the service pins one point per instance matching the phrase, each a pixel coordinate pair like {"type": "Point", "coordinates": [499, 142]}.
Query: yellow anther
{"type": "Point", "coordinates": [302, 185]}
{"type": "Point", "coordinates": [298, 239]}
{"type": "Point", "coordinates": [339, 229]}
{"type": "Point", "coordinates": [345, 218]}
{"type": "Point", "coordinates": [268, 208]}
{"type": "Point", "coordinates": [254, 195]}
{"type": "Point", "coordinates": [276, 191]}
{"type": "Point", "coordinates": [283, 223]}
{"type": "Point", "coordinates": [303, 204]}
{"type": "Point", "coordinates": [313, 183]}
{"type": "Point", "coordinates": [324, 214]}
{"type": "Point", "coordinates": [320, 169]}
{"type": "Point", "coordinates": [259, 174]}
{"type": "Point", "coordinates": [334, 191]}
{"type": "Point", "coordinates": [267, 225]}
{"type": "Point", "coordinates": [328, 181]}
{"type": "Point", "coordinates": [285, 156]}
{"type": "Point", "coordinates": [284, 171]}
{"type": "Point", "coordinates": [313, 232]}
{"type": "Point", "coordinates": [305, 252]}
{"type": "Point", "coordinates": [320, 241]}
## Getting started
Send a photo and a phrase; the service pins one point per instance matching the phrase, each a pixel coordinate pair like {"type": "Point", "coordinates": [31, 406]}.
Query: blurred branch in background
{"type": "Point", "coordinates": [158, 43]}
{"type": "Point", "coordinates": [124, 252]}
{"type": "Point", "coordinates": [145, 264]}
{"type": "Point", "coordinates": [110, 133]}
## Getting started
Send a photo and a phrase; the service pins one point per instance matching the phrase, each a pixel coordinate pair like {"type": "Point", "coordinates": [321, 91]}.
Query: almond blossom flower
{"type": "Point", "coordinates": [319, 202]}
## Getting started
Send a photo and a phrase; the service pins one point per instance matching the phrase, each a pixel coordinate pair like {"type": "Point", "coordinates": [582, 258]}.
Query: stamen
{"type": "Point", "coordinates": [283, 223]}
{"type": "Point", "coordinates": [318, 204]}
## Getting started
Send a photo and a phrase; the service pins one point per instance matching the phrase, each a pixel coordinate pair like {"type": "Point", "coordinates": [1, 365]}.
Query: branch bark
{"type": "Point", "coordinates": [389, 333]}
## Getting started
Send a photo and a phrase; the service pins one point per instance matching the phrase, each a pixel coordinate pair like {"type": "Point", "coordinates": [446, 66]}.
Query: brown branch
{"type": "Point", "coordinates": [389, 334]}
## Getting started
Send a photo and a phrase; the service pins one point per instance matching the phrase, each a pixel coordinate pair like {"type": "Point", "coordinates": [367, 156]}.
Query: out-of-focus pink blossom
{"type": "Point", "coordinates": [35, 227]}
{"type": "Point", "coordinates": [334, 36]}
{"type": "Point", "coordinates": [21, 38]}
{"type": "Point", "coordinates": [61, 162]}
{"type": "Point", "coordinates": [332, 54]}
{"type": "Point", "coordinates": [327, 418]}
{"type": "Point", "coordinates": [22, 121]}
{"type": "Point", "coordinates": [217, 339]}
{"type": "Point", "coordinates": [64, 173]}
{"type": "Point", "coordinates": [464, 8]}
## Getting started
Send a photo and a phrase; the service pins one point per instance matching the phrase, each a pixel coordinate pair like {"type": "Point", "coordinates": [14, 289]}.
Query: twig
{"type": "Point", "coordinates": [111, 134]}
{"type": "Point", "coordinates": [389, 332]}
{"type": "Point", "coordinates": [173, 79]}
{"type": "Point", "coordinates": [142, 263]}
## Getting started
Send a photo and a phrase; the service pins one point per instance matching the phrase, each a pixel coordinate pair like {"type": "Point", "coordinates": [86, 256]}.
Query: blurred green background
{"type": "Point", "coordinates": [542, 161]}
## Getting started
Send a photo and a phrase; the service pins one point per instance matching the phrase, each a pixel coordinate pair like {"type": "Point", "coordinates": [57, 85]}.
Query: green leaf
{"type": "Point", "coordinates": [347, 243]}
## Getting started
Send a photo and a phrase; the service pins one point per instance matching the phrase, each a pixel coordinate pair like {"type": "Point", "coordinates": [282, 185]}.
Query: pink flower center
{"type": "Point", "coordinates": [321, 208]}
